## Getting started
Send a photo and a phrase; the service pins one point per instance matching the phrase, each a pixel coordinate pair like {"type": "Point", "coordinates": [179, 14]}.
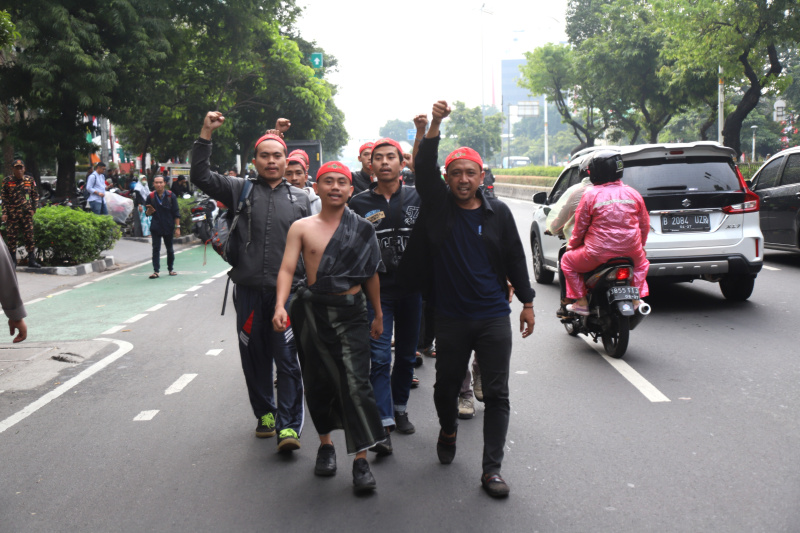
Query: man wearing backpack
{"type": "Point", "coordinates": [162, 205]}
{"type": "Point", "coordinates": [255, 251]}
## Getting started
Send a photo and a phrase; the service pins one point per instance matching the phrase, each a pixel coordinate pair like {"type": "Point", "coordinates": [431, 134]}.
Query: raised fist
{"type": "Point", "coordinates": [440, 110]}
{"type": "Point", "coordinates": [213, 120]}
{"type": "Point", "coordinates": [421, 121]}
{"type": "Point", "coordinates": [282, 125]}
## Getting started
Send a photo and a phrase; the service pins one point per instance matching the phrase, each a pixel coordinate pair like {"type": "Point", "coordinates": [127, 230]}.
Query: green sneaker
{"type": "Point", "coordinates": [266, 426]}
{"type": "Point", "coordinates": [288, 440]}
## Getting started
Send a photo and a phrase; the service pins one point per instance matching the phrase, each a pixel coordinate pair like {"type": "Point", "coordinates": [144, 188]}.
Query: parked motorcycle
{"type": "Point", "coordinates": [204, 214]}
{"type": "Point", "coordinates": [612, 316]}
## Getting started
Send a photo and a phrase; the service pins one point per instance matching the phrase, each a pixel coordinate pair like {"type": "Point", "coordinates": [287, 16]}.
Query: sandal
{"type": "Point", "coordinates": [578, 309]}
{"type": "Point", "coordinates": [154, 275]}
{"type": "Point", "coordinates": [173, 273]}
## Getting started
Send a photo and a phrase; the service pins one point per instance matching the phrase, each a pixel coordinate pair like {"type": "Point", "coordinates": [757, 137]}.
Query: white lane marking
{"type": "Point", "coordinates": [216, 351]}
{"type": "Point", "coordinates": [176, 297]}
{"type": "Point", "coordinates": [124, 347]}
{"type": "Point", "coordinates": [111, 331]}
{"type": "Point", "coordinates": [635, 378]}
{"type": "Point", "coordinates": [137, 265]}
{"type": "Point", "coordinates": [85, 283]}
{"type": "Point", "coordinates": [144, 416]}
{"type": "Point", "coordinates": [770, 268]}
{"type": "Point", "coordinates": [192, 289]}
{"type": "Point", "coordinates": [180, 383]}
{"type": "Point", "coordinates": [207, 281]}
{"type": "Point", "coordinates": [136, 318]}
{"type": "Point", "coordinates": [156, 308]}
{"type": "Point", "coordinates": [59, 292]}
{"type": "Point", "coordinates": [34, 301]}
{"type": "Point", "coordinates": [220, 274]}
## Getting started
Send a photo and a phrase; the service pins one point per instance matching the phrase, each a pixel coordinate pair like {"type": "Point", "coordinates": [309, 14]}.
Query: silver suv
{"type": "Point", "coordinates": [704, 221]}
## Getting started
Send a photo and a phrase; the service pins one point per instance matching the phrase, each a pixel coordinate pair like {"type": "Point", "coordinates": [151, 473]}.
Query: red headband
{"type": "Point", "coordinates": [271, 137]}
{"type": "Point", "coordinates": [463, 153]}
{"type": "Point", "coordinates": [297, 159]}
{"type": "Point", "coordinates": [300, 153]}
{"type": "Point", "coordinates": [364, 147]}
{"type": "Point", "coordinates": [387, 141]}
{"type": "Point", "coordinates": [334, 166]}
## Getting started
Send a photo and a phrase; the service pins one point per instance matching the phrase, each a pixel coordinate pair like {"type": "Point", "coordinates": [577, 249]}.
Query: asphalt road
{"type": "Point", "coordinates": [588, 448]}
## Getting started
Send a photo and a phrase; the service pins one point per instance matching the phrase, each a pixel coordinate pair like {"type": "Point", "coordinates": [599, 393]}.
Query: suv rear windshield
{"type": "Point", "coordinates": [653, 177]}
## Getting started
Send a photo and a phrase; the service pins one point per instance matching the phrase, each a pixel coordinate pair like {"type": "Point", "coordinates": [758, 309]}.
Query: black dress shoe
{"type": "Point", "coordinates": [446, 447]}
{"type": "Point", "coordinates": [363, 480]}
{"type": "Point", "coordinates": [383, 448]}
{"type": "Point", "coordinates": [326, 461]}
{"type": "Point", "coordinates": [495, 486]}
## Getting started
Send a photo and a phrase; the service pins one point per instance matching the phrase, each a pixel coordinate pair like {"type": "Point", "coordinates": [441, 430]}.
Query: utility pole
{"type": "Point", "coordinates": [721, 107]}
{"type": "Point", "coordinates": [545, 133]}
{"type": "Point", "coordinates": [104, 140]}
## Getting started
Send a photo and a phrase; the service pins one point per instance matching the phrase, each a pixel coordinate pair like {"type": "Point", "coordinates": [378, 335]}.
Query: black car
{"type": "Point", "coordinates": [777, 184]}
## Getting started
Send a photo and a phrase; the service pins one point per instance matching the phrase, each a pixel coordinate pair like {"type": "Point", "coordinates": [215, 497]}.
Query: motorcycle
{"type": "Point", "coordinates": [612, 315]}
{"type": "Point", "coordinates": [204, 214]}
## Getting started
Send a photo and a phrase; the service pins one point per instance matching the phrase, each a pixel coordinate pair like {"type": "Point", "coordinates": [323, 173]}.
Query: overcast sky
{"type": "Point", "coordinates": [397, 58]}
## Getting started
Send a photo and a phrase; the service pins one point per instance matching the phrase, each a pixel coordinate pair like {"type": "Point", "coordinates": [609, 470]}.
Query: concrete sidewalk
{"type": "Point", "coordinates": [125, 252]}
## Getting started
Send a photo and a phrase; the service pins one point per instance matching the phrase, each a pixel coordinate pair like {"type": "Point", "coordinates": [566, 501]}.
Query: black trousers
{"type": "Point", "coordinates": [157, 252]}
{"type": "Point", "coordinates": [490, 339]}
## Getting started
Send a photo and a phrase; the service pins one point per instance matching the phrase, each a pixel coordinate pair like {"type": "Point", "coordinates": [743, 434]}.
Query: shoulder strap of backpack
{"type": "Point", "coordinates": [152, 195]}
{"type": "Point", "coordinates": [248, 186]}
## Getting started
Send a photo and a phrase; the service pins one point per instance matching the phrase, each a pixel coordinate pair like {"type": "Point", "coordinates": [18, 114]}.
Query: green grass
{"type": "Point", "coordinates": [552, 172]}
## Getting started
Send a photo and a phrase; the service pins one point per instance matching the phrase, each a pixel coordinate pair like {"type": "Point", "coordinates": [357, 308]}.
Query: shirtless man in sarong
{"type": "Point", "coordinates": [329, 320]}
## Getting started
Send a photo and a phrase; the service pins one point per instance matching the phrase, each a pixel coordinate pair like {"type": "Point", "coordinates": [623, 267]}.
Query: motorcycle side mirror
{"type": "Point", "coordinates": [540, 198]}
{"type": "Point", "coordinates": [547, 210]}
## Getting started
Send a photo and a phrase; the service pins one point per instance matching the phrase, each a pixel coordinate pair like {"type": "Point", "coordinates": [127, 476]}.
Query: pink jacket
{"type": "Point", "coordinates": [611, 218]}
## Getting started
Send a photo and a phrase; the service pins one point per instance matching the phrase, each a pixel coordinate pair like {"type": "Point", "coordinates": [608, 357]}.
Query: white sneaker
{"type": "Point", "coordinates": [477, 388]}
{"type": "Point", "coordinates": [465, 408]}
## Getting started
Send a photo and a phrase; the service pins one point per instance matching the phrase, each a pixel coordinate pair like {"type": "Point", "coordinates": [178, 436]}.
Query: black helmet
{"type": "Point", "coordinates": [604, 166]}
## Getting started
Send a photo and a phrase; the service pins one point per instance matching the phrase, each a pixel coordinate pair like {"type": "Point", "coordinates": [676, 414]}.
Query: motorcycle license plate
{"type": "Point", "coordinates": [622, 293]}
{"type": "Point", "coordinates": [198, 218]}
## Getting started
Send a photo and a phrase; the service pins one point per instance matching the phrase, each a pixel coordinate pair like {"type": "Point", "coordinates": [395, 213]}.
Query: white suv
{"type": "Point", "coordinates": [703, 219]}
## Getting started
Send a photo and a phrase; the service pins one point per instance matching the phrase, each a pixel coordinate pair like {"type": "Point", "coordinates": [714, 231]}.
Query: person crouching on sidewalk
{"type": "Point", "coordinates": [162, 205]}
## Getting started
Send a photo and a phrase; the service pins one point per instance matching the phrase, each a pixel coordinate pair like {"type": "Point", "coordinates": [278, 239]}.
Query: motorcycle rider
{"type": "Point", "coordinates": [611, 221]}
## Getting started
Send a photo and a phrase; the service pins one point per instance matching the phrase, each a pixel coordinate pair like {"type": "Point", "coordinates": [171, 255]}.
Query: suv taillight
{"type": "Point", "coordinates": [750, 204]}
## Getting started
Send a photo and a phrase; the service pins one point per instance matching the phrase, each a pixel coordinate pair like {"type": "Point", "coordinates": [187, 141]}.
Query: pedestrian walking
{"type": "Point", "coordinates": [20, 198]}
{"type": "Point", "coordinates": [162, 206]}
{"type": "Point", "coordinates": [141, 192]}
{"type": "Point", "coordinates": [329, 318]}
{"type": "Point", "coordinates": [256, 249]}
{"type": "Point", "coordinates": [392, 209]}
{"type": "Point", "coordinates": [464, 248]}
{"type": "Point", "coordinates": [10, 299]}
{"type": "Point", "coordinates": [96, 185]}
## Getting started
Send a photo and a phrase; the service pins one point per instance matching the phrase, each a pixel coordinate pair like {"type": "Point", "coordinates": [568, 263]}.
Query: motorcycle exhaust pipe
{"type": "Point", "coordinates": [644, 309]}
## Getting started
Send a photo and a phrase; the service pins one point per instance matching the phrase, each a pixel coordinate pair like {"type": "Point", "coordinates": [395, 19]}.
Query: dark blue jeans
{"type": "Point", "coordinates": [392, 386]}
{"type": "Point", "coordinates": [157, 252]}
{"type": "Point", "coordinates": [99, 207]}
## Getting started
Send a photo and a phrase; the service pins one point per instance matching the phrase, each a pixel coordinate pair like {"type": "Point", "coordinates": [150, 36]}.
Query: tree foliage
{"type": "Point", "coordinates": [396, 129]}
{"type": "Point", "coordinates": [467, 127]}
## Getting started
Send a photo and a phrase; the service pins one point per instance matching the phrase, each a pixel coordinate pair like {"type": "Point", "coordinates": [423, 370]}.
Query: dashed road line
{"type": "Point", "coordinates": [144, 416]}
{"type": "Point", "coordinates": [123, 348]}
{"type": "Point", "coordinates": [136, 318]}
{"type": "Point", "coordinates": [176, 297]}
{"type": "Point", "coordinates": [207, 281]}
{"type": "Point", "coordinates": [111, 331]}
{"type": "Point", "coordinates": [196, 287]}
{"type": "Point", "coordinates": [156, 308]}
{"type": "Point", "coordinates": [180, 383]}
{"type": "Point", "coordinates": [627, 371]}
{"type": "Point", "coordinates": [215, 351]}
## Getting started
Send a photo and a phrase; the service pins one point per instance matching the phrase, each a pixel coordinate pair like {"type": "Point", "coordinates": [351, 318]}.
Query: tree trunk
{"type": "Point", "coordinates": [65, 180]}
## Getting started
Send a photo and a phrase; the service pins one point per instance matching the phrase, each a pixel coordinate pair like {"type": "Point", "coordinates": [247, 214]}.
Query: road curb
{"type": "Point", "coordinates": [519, 192]}
{"type": "Point", "coordinates": [101, 265]}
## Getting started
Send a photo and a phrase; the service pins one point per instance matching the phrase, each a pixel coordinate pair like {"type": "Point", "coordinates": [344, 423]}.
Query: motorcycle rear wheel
{"type": "Point", "coordinates": [572, 328]}
{"type": "Point", "coordinates": [615, 339]}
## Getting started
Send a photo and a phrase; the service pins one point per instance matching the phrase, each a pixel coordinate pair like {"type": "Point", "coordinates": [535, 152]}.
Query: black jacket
{"type": "Point", "coordinates": [166, 211]}
{"type": "Point", "coordinates": [260, 235]}
{"type": "Point", "coordinates": [393, 224]}
{"type": "Point", "coordinates": [435, 223]}
{"type": "Point", "coordinates": [361, 181]}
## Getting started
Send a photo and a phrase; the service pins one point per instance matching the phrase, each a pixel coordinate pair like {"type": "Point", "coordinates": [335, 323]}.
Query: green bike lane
{"type": "Point", "coordinates": [89, 309]}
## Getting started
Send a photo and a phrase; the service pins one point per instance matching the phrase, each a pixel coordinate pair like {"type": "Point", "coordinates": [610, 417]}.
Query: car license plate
{"type": "Point", "coordinates": [673, 223]}
{"type": "Point", "coordinates": [624, 292]}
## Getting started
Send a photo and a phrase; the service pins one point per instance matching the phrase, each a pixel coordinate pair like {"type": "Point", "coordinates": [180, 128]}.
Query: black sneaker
{"type": "Point", "coordinates": [495, 486]}
{"type": "Point", "coordinates": [288, 440]}
{"type": "Point", "coordinates": [266, 426]}
{"type": "Point", "coordinates": [418, 360]}
{"type": "Point", "coordinates": [326, 461]}
{"type": "Point", "coordinates": [446, 447]}
{"type": "Point", "coordinates": [402, 423]}
{"type": "Point", "coordinates": [363, 480]}
{"type": "Point", "coordinates": [383, 448]}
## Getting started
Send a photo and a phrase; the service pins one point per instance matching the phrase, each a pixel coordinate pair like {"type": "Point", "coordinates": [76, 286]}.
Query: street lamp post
{"type": "Point", "coordinates": [753, 157]}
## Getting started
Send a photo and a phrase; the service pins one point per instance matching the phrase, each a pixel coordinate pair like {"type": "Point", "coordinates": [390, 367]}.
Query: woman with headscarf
{"type": "Point", "coordinates": [140, 194]}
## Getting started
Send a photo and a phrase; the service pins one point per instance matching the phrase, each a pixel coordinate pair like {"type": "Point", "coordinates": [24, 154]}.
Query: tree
{"type": "Point", "coordinates": [467, 127]}
{"type": "Point", "coordinates": [552, 70]}
{"type": "Point", "coordinates": [750, 39]}
{"type": "Point", "coordinates": [396, 129]}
